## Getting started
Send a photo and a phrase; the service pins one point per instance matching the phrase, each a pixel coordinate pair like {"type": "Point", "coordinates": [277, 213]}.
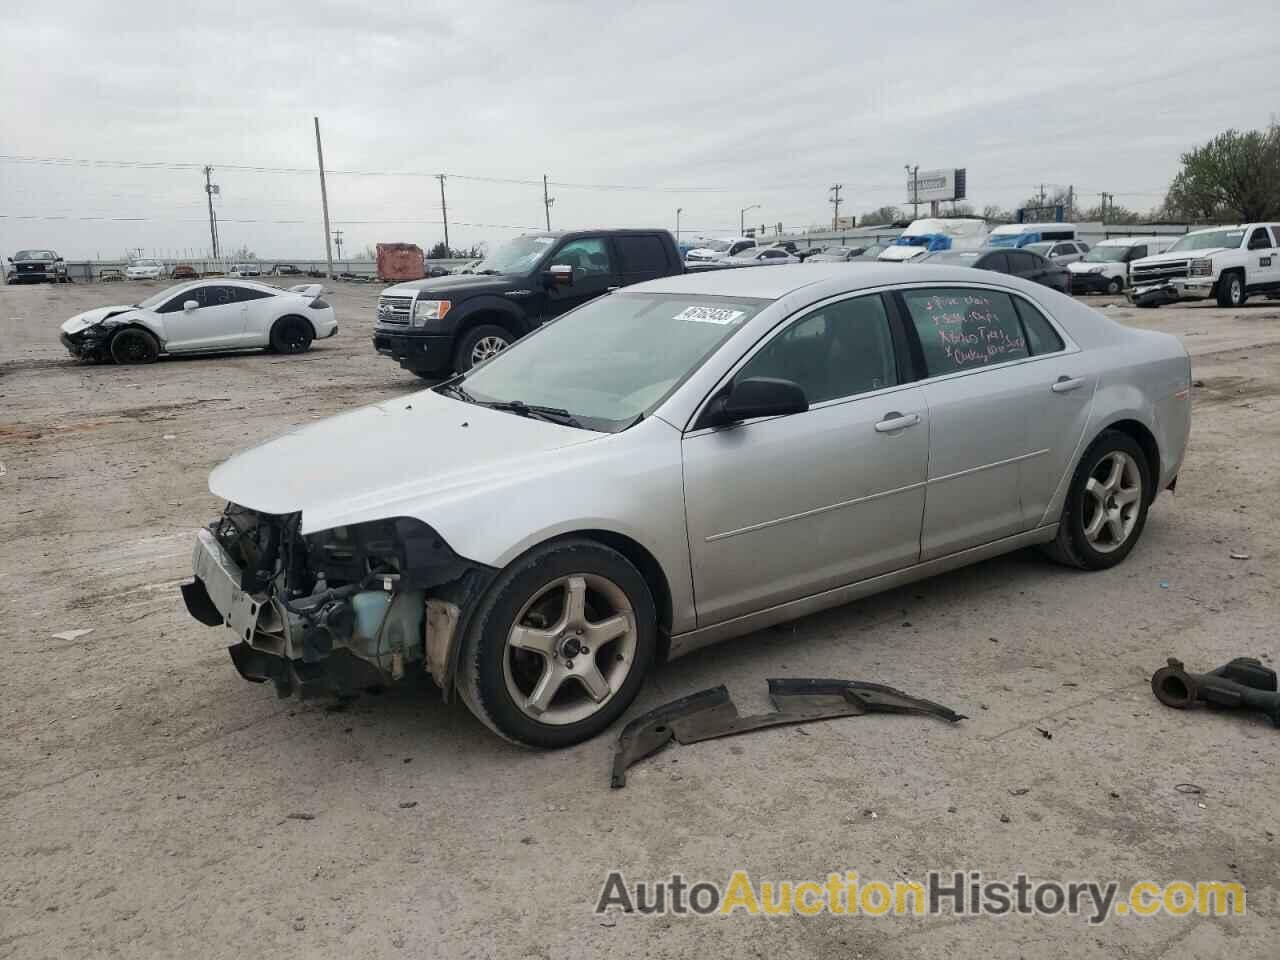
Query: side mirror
{"type": "Point", "coordinates": [190, 305]}
{"type": "Point", "coordinates": [560, 275]}
{"type": "Point", "coordinates": [757, 397]}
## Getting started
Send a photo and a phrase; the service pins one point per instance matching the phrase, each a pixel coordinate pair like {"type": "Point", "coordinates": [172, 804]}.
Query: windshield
{"type": "Point", "coordinates": [1107, 254]}
{"type": "Point", "coordinates": [158, 298]}
{"type": "Point", "coordinates": [1012, 239]}
{"type": "Point", "coordinates": [719, 246]}
{"type": "Point", "coordinates": [613, 359]}
{"type": "Point", "coordinates": [1209, 239]}
{"type": "Point", "coordinates": [34, 255]}
{"type": "Point", "coordinates": [516, 256]}
{"type": "Point", "coordinates": [747, 253]}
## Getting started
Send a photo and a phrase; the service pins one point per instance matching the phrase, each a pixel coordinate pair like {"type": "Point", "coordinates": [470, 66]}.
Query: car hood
{"type": "Point", "coordinates": [901, 252]}
{"type": "Point", "coordinates": [375, 461]}
{"type": "Point", "coordinates": [461, 283]}
{"type": "Point", "coordinates": [87, 319]}
{"type": "Point", "coordinates": [1183, 255]}
{"type": "Point", "coordinates": [1084, 266]}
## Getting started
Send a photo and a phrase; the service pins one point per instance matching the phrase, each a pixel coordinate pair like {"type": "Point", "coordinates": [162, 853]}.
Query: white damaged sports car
{"type": "Point", "coordinates": [207, 315]}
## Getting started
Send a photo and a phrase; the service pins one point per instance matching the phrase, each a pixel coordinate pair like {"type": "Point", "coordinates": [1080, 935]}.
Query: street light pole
{"type": "Point", "coordinates": [915, 189]}
{"type": "Point", "coordinates": [742, 217]}
{"type": "Point", "coordinates": [679, 210]}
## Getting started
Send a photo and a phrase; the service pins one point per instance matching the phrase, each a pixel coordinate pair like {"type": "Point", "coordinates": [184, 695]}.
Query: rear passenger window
{"type": "Point", "coordinates": [963, 329]}
{"type": "Point", "coordinates": [1041, 337]}
{"type": "Point", "coordinates": [642, 255]}
{"type": "Point", "coordinates": [245, 294]}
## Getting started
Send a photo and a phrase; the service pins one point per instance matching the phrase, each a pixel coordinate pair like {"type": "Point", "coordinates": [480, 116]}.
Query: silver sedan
{"type": "Point", "coordinates": [683, 462]}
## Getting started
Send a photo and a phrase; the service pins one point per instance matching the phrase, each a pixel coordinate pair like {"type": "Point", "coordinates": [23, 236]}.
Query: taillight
{"type": "Point", "coordinates": [318, 304]}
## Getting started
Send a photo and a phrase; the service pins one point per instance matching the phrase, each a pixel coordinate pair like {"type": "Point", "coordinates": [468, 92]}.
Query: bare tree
{"type": "Point", "coordinates": [880, 217]}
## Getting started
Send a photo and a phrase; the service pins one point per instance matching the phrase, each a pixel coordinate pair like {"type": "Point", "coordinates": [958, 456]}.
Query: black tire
{"type": "Point", "coordinates": [1231, 291]}
{"type": "Point", "coordinates": [483, 669]}
{"type": "Point", "coordinates": [1114, 286]}
{"type": "Point", "coordinates": [292, 335]}
{"type": "Point", "coordinates": [472, 346]}
{"type": "Point", "coordinates": [134, 345]}
{"type": "Point", "coordinates": [1072, 547]}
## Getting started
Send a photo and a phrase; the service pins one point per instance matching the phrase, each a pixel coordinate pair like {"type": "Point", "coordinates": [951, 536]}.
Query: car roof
{"type": "Point", "coordinates": [1130, 241]}
{"type": "Point", "coordinates": [776, 282]}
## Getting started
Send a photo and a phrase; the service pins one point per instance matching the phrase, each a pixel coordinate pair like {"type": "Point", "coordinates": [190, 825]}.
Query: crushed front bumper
{"type": "Point", "coordinates": [268, 639]}
{"type": "Point", "coordinates": [1171, 291]}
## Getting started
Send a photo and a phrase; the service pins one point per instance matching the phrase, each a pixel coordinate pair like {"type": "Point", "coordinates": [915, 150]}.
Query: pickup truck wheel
{"type": "Point", "coordinates": [1115, 285]}
{"type": "Point", "coordinates": [132, 345]}
{"type": "Point", "coordinates": [292, 335]}
{"type": "Point", "coordinates": [1231, 292]}
{"type": "Point", "coordinates": [1106, 506]}
{"type": "Point", "coordinates": [479, 344]}
{"type": "Point", "coordinates": [560, 645]}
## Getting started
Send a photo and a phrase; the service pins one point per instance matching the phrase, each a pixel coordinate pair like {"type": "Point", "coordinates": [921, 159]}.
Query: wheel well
{"type": "Point", "coordinates": [495, 317]}
{"type": "Point", "coordinates": [293, 316]}
{"type": "Point", "coordinates": [650, 569]}
{"type": "Point", "coordinates": [1143, 438]}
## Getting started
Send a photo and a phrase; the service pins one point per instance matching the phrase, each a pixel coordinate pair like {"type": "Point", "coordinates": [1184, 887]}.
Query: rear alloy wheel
{"type": "Point", "coordinates": [1106, 506]}
{"type": "Point", "coordinates": [292, 335]}
{"type": "Point", "coordinates": [479, 344]}
{"type": "Point", "coordinates": [560, 646]}
{"type": "Point", "coordinates": [133, 345]}
{"type": "Point", "coordinates": [1115, 285]}
{"type": "Point", "coordinates": [1231, 292]}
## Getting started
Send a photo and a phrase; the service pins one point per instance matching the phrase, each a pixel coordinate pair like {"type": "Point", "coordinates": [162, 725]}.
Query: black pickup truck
{"type": "Point", "coordinates": [437, 326]}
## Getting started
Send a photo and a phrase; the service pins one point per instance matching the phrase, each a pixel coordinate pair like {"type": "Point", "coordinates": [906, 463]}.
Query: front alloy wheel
{"type": "Point", "coordinates": [564, 670]}
{"type": "Point", "coordinates": [560, 644]}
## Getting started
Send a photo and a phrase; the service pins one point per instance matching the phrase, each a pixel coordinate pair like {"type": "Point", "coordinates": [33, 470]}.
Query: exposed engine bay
{"type": "Point", "coordinates": [336, 610]}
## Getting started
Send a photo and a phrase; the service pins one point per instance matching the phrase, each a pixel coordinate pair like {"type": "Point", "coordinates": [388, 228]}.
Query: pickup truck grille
{"type": "Point", "coordinates": [1159, 272]}
{"type": "Point", "coordinates": [394, 309]}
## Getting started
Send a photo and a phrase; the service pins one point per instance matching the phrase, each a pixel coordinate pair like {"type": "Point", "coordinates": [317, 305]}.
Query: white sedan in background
{"type": "Point", "coordinates": [144, 270]}
{"type": "Point", "coordinates": [203, 316]}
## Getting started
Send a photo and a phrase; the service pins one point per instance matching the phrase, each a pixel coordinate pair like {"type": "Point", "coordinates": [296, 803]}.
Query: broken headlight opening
{"type": "Point", "coordinates": [350, 600]}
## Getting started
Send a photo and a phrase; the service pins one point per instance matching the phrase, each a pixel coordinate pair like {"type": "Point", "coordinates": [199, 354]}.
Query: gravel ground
{"type": "Point", "coordinates": [147, 792]}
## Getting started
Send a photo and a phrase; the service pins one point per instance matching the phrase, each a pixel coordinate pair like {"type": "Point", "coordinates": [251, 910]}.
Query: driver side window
{"type": "Point", "coordinates": [837, 351]}
{"type": "Point", "coordinates": [198, 294]}
{"type": "Point", "coordinates": [588, 257]}
{"type": "Point", "coordinates": [1259, 239]}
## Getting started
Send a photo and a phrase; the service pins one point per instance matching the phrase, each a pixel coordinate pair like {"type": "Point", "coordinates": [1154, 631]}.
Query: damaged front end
{"type": "Point", "coordinates": [334, 611]}
{"type": "Point", "coordinates": [91, 343]}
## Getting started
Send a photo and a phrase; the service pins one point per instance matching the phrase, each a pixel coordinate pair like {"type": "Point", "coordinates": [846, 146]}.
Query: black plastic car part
{"type": "Point", "coordinates": [710, 714]}
{"type": "Point", "coordinates": [1242, 684]}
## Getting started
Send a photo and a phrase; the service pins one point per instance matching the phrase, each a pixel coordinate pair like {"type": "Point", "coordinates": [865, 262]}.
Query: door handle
{"type": "Point", "coordinates": [893, 420]}
{"type": "Point", "coordinates": [1067, 384]}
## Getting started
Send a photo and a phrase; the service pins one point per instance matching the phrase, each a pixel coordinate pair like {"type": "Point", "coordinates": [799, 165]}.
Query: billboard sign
{"type": "Point", "coordinates": [930, 185]}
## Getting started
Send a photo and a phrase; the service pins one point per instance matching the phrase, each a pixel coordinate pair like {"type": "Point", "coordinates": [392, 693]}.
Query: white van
{"type": "Point", "coordinates": [936, 233]}
{"type": "Point", "coordinates": [1021, 234]}
{"type": "Point", "coordinates": [1105, 268]}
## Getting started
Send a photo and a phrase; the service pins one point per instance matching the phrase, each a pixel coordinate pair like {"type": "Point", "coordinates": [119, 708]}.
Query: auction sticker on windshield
{"type": "Point", "coordinates": [718, 315]}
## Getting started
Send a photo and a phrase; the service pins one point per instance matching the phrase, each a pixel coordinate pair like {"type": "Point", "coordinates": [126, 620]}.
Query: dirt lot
{"type": "Point", "coordinates": [145, 789]}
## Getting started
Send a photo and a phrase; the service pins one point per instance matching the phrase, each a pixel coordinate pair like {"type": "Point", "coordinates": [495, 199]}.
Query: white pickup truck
{"type": "Point", "coordinates": [1228, 263]}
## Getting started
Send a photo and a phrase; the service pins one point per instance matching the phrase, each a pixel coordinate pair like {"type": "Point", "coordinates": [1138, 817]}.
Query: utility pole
{"type": "Point", "coordinates": [1042, 194]}
{"type": "Point", "coordinates": [1105, 198]}
{"type": "Point", "coordinates": [679, 210]}
{"type": "Point", "coordinates": [1071, 201]}
{"type": "Point", "coordinates": [547, 201]}
{"type": "Point", "coordinates": [324, 201]}
{"type": "Point", "coordinates": [210, 188]}
{"type": "Point", "coordinates": [915, 190]}
{"type": "Point", "coordinates": [444, 214]}
{"type": "Point", "coordinates": [337, 242]}
{"type": "Point", "coordinates": [835, 202]}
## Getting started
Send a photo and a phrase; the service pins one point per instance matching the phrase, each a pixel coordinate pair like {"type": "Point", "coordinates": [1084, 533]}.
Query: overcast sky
{"type": "Point", "coordinates": [706, 106]}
